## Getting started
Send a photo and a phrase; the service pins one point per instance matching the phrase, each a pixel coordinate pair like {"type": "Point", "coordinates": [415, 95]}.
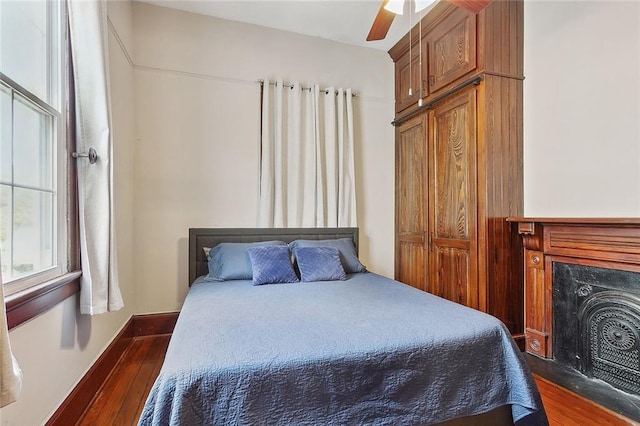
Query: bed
{"type": "Point", "coordinates": [364, 350]}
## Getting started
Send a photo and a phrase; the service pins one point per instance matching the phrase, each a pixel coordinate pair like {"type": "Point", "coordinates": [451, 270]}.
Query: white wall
{"type": "Point", "coordinates": [197, 135]}
{"type": "Point", "coordinates": [55, 349]}
{"type": "Point", "coordinates": [582, 108]}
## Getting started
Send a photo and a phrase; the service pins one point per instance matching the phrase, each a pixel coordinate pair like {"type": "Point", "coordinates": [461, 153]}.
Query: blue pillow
{"type": "Point", "coordinates": [345, 246]}
{"type": "Point", "coordinates": [272, 265]}
{"type": "Point", "coordinates": [319, 264]}
{"type": "Point", "coordinates": [230, 261]}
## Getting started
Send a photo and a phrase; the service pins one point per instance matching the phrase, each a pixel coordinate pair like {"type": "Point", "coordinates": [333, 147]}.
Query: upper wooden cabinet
{"type": "Point", "coordinates": [409, 77]}
{"type": "Point", "coordinates": [452, 49]}
{"type": "Point", "coordinates": [456, 45]}
{"type": "Point", "coordinates": [459, 158]}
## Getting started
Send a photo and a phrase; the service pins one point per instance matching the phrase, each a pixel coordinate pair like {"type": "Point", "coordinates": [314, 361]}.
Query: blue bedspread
{"type": "Point", "coordinates": [368, 350]}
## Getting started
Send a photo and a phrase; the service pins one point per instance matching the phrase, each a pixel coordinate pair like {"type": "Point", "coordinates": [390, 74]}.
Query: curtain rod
{"type": "Point", "coordinates": [290, 86]}
{"type": "Point", "coordinates": [429, 105]}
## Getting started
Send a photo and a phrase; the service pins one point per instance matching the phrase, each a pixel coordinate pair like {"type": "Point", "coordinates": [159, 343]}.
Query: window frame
{"type": "Point", "coordinates": [22, 95]}
{"type": "Point", "coordinates": [30, 302]}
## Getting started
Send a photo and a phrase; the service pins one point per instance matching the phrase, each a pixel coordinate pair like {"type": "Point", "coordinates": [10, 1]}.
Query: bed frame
{"type": "Point", "coordinates": [210, 237]}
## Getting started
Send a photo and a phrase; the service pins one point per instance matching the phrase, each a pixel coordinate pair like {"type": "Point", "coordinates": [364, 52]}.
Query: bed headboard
{"type": "Point", "coordinates": [210, 237]}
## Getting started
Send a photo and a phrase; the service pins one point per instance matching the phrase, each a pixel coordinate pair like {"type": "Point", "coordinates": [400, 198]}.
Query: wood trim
{"type": "Point", "coordinates": [619, 221]}
{"type": "Point", "coordinates": [593, 242]}
{"type": "Point", "coordinates": [81, 396]}
{"type": "Point", "coordinates": [154, 324]}
{"type": "Point", "coordinates": [23, 306]}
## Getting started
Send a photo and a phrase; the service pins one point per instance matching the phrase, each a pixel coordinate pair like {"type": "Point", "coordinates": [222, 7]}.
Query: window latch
{"type": "Point", "coordinates": [92, 155]}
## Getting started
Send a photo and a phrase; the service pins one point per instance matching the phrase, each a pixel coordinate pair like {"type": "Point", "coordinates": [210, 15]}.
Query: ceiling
{"type": "Point", "coordinates": [346, 21]}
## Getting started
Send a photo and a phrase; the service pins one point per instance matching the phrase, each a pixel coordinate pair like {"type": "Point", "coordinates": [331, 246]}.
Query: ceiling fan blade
{"type": "Point", "coordinates": [381, 24]}
{"type": "Point", "coordinates": [474, 6]}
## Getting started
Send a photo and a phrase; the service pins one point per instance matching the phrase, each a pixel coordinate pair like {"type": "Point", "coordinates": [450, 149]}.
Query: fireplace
{"type": "Point", "coordinates": [582, 308]}
{"type": "Point", "coordinates": [596, 323]}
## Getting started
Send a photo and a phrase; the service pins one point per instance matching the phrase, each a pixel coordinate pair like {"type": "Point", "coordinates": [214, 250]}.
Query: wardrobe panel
{"type": "Point", "coordinates": [411, 204]}
{"type": "Point", "coordinates": [452, 194]}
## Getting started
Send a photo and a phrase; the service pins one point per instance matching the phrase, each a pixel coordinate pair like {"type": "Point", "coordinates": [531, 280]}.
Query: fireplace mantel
{"type": "Point", "coordinates": [612, 243]}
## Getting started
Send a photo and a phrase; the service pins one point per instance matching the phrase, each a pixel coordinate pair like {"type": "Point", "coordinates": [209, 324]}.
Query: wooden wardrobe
{"type": "Point", "coordinates": [459, 157]}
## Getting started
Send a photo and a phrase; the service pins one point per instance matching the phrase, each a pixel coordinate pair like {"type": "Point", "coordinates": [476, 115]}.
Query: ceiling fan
{"type": "Point", "coordinates": [390, 8]}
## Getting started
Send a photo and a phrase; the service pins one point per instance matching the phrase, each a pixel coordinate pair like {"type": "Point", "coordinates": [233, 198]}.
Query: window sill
{"type": "Point", "coordinates": [27, 304]}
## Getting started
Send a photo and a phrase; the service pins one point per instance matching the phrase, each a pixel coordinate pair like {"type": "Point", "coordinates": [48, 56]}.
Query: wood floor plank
{"type": "Point", "coordinates": [139, 390]}
{"type": "Point", "coordinates": [154, 375]}
{"type": "Point", "coordinates": [565, 408]}
{"type": "Point", "coordinates": [107, 403]}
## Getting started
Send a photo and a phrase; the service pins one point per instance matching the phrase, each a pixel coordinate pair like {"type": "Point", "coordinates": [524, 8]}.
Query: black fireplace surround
{"type": "Point", "coordinates": [596, 324]}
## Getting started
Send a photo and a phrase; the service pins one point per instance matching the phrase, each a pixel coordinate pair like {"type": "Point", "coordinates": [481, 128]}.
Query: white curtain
{"type": "Point", "coordinates": [10, 373]}
{"type": "Point", "coordinates": [99, 291]}
{"type": "Point", "coordinates": [307, 176]}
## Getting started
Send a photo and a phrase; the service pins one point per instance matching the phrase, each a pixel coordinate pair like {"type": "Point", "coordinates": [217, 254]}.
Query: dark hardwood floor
{"type": "Point", "coordinates": [120, 400]}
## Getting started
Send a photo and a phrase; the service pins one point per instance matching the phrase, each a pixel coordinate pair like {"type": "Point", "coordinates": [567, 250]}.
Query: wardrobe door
{"type": "Point", "coordinates": [452, 49]}
{"type": "Point", "coordinates": [408, 86]}
{"type": "Point", "coordinates": [411, 202]}
{"type": "Point", "coordinates": [453, 203]}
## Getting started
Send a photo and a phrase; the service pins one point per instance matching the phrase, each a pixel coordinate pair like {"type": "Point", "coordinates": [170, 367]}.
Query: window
{"type": "Point", "coordinates": [33, 146]}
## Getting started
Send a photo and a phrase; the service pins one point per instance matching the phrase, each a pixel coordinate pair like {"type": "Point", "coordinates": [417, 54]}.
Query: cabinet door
{"type": "Point", "coordinates": [452, 49]}
{"type": "Point", "coordinates": [408, 76]}
{"type": "Point", "coordinates": [452, 197]}
{"type": "Point", "coordinates": [411, 202]}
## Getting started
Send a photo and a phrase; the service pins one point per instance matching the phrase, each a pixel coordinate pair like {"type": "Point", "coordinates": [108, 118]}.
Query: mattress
{"type": "Point", "coordinates": [368, 350]}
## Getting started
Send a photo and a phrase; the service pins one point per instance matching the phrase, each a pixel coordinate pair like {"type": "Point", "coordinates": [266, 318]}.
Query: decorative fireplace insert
{"type": "Point", "coordinates": [596, 323]}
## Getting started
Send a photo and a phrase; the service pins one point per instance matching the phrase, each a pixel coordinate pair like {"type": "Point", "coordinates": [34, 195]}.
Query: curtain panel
{"type": "Point", "coordinates": [99, 287]}
{"type": "Point", "coordinates": [307, 173]}
{"type": "Point", "coordinates": [10, 373]}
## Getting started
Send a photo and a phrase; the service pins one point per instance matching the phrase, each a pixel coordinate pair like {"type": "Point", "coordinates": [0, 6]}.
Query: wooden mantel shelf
{"type": "Point", "coordinates": [632, 221]}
